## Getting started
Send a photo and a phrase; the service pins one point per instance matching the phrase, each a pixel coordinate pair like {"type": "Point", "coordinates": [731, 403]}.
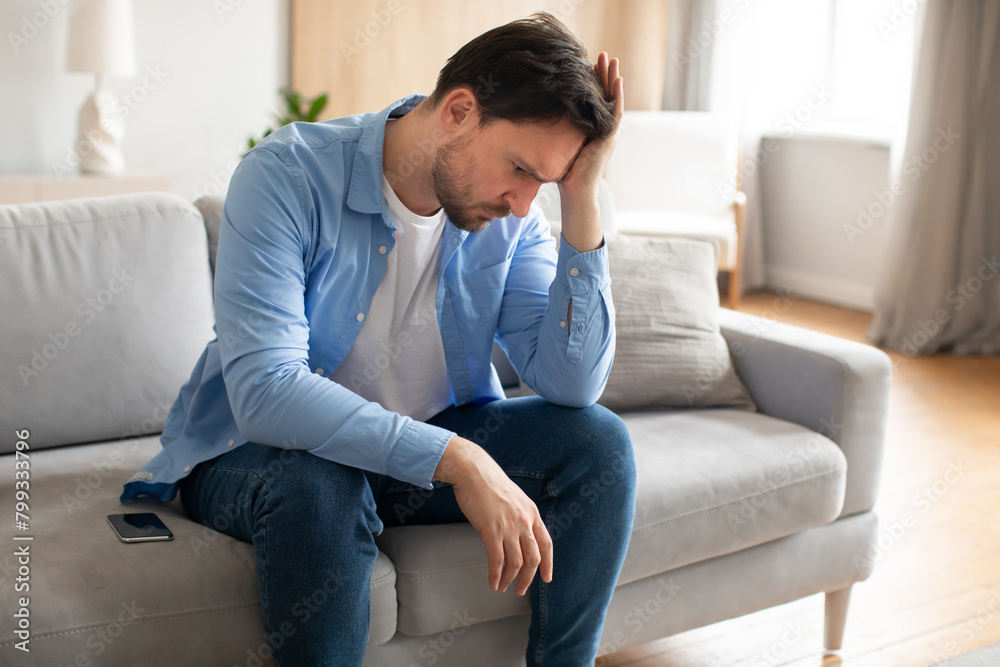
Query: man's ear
{"type": "Point", "coordinates": [459, 110]}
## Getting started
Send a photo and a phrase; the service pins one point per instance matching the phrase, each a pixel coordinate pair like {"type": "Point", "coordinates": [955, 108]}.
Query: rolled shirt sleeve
{"type": "Point", "coordinates": [566, 360]}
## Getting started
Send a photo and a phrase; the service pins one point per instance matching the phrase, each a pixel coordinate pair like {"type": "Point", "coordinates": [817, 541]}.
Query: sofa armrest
{"type": "Point", "coordinates": [836, 387]}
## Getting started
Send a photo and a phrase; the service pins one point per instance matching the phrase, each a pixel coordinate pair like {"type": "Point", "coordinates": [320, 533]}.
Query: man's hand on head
{"type": "Point", "coordinates": [578, 190]}
{"type": "Point", "coordinates": [517, 542]}
{"type": "Point", "coordinates": [585, 174]}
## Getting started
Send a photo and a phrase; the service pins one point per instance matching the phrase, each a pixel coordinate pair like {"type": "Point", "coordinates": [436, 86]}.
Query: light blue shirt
{"type": "Point", "coordinates": [302, 249]}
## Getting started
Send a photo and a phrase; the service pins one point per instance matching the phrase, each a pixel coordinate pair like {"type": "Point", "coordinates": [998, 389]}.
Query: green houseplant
{"type": "Point", "coordinates": [297, 108]}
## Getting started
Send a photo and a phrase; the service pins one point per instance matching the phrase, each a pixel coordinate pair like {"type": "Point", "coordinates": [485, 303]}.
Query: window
{"type": "Point", "coordinates": [871, 62]}
{"type": "Point", "coordinates": [830, 66]}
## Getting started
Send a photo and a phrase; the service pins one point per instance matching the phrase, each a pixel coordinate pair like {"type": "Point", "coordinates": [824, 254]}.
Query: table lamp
{"type": "Point", "coordinates": [102, 42]}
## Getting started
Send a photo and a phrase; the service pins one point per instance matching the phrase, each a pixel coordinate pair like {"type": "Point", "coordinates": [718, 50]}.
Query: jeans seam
{"type": "Point", "coordinates": [543, 607]}
{"type": "Point", "coordinates": [264, 605]}
{"type": "Point", "coordinates": [530, 474]}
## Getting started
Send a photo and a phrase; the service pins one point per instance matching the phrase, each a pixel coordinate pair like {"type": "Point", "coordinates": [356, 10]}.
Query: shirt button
{"type": "Point", "coordinates": [319, 371]}
{"type": "Point", "coordinates": [382, 250]}
{"type": "Point", "coordinates": [563, 324]}
{"type": "Point", "coordinates": [574, 272]}
{"type": "Point", "coordinates": [361, 317]}
{"type": "Point", "coordinates": [231, 442]}
{"type": "Point", "coordinates": [187, 468]}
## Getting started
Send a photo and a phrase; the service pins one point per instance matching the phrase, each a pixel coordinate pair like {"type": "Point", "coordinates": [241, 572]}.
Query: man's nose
{"type": "Point", "coordinates": [519, 199]}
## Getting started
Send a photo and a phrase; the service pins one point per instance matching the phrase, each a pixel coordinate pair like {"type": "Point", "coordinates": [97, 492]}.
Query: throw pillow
{"type": "Point", "coordinates": [669, 350]}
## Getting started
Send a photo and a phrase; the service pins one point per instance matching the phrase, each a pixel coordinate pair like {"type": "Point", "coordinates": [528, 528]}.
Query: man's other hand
{"type": "Point", "coordinates": [517, 542]}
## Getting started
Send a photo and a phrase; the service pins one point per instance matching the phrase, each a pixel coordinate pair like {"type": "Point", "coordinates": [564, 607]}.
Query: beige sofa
{"type": "Point", "coordinates": [106, 306]}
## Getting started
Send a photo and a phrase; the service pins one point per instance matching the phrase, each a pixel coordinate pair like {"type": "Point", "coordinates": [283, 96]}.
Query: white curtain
{"type": "Point", "coordinates": [687, 79]}
{"type": "Point", "coordinates": [769, 61]}
{"type": "Point", "coordinates": [939, 288]}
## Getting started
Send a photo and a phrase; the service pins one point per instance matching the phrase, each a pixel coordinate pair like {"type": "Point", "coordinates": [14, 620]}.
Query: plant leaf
{"type": "Point", "coordinates": [317, 106]}
{"type": "Point", "coordinates": [294, 102]}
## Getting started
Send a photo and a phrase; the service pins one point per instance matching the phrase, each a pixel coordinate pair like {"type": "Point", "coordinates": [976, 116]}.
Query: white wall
{"type": "Point", "coordinates": [219, 64]}
{"type": "Point", "coordinates": [817, 243]}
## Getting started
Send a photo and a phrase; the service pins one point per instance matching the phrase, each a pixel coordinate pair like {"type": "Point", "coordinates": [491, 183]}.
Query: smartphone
{"type": "Point", "coordinates": [139, 527]}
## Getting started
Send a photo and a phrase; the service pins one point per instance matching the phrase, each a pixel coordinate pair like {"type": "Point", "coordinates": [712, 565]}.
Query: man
{"type": "Point", "coordinates": [365, 266]}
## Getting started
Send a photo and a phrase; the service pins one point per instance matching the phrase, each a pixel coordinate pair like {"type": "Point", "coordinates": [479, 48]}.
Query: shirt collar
{"type": "Point", "coordinates": [365, 191]}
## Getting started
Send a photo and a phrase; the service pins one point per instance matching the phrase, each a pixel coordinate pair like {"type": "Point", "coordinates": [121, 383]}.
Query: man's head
{"type": "Point", "coordinates": [529, 70]}
{"type": "Point", "coordinates": [517, 103]}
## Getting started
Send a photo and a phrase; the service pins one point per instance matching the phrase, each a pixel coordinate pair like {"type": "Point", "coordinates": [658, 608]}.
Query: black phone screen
{"type": "Point", "coordinates": [139, 527]}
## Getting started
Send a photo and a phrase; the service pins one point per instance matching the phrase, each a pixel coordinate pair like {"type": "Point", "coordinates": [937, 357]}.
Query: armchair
{"type": "Point", "coordinates": [675, 173]}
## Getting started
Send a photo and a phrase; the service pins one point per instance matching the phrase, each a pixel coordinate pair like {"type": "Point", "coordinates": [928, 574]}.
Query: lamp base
{"type": "Point", "coordinates": [100, 136]}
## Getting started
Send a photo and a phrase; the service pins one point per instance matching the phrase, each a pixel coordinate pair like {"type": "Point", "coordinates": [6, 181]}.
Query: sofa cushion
{"type": "Point", "coordinates": [716, 481]}
{"type": "Point", "coordinates": [107, 305]}
{"type": "Point", "coordinates": [195, 593]}
{"type": "Point", "coordinates": [710, 482]}
{"type": "Point", "coordinates": [669, 350]}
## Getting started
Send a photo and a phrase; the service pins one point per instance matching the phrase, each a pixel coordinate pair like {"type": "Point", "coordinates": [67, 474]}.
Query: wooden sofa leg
{"type": "Point", "coordinates": [835, 618]}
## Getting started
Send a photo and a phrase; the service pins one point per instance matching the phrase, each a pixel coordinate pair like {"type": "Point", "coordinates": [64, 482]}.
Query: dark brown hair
{"type": "Point", "coordinates": [530, 70]}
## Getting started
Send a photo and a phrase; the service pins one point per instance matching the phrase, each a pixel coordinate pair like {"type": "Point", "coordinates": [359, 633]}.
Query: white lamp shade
{"type": "Point", "coordinates": [101, 38]}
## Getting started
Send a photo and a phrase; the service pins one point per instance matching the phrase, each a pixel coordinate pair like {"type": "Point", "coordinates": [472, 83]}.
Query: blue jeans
{"type": "Point", "coordinates": [312, 523]}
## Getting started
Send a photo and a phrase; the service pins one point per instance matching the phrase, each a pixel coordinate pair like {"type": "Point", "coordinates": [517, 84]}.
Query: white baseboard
{"type": "Point", "coordinates": [822, 288]}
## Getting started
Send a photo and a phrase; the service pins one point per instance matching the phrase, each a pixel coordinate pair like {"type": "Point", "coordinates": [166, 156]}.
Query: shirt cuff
{"type": "Point", "coordinates": [417, 452]}
{"type": "Point", "coordinates": [582, 272]}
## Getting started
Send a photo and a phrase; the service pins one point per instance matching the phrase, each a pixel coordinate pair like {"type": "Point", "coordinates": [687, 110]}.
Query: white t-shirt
{"type": "Point", "coordinates": [398, 357]}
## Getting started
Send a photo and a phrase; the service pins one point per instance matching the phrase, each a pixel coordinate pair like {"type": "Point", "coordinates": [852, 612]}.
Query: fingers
{"type": "Point", "coordinates": [512, 564]}
{"type": "Point", "coordinates": [544, 542]}
{"type": "Point", "coordinates": [494, 555]}
{"type": "Point", "coordinates": [522, 560]}
{"type": "Point", "coordinates": [609, 76]}
{"type": "Point", "coordinates": [532, 557]}
{"type": "Point", "coordinates": [619, 98]}
{"type": "Point", "coordinates": [520, 557]}
{"type": "Point", "coordinates": [601, 67]}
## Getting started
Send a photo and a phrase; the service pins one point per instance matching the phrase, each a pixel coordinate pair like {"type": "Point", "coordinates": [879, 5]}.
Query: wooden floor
{"type": "Point", "coordinates": [935, 589]}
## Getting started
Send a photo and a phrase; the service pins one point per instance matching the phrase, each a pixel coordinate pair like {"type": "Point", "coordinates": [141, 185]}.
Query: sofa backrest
{"type": "Point", "coordinates": [106, 305]}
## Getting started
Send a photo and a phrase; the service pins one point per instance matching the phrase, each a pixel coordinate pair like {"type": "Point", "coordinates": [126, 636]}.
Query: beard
{"type": "Point", "coordinates": [454, 191]}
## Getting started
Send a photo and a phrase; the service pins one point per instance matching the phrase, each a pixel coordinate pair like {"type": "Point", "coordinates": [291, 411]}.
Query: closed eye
{"type": "Point", "coordinates": [521, 170]}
